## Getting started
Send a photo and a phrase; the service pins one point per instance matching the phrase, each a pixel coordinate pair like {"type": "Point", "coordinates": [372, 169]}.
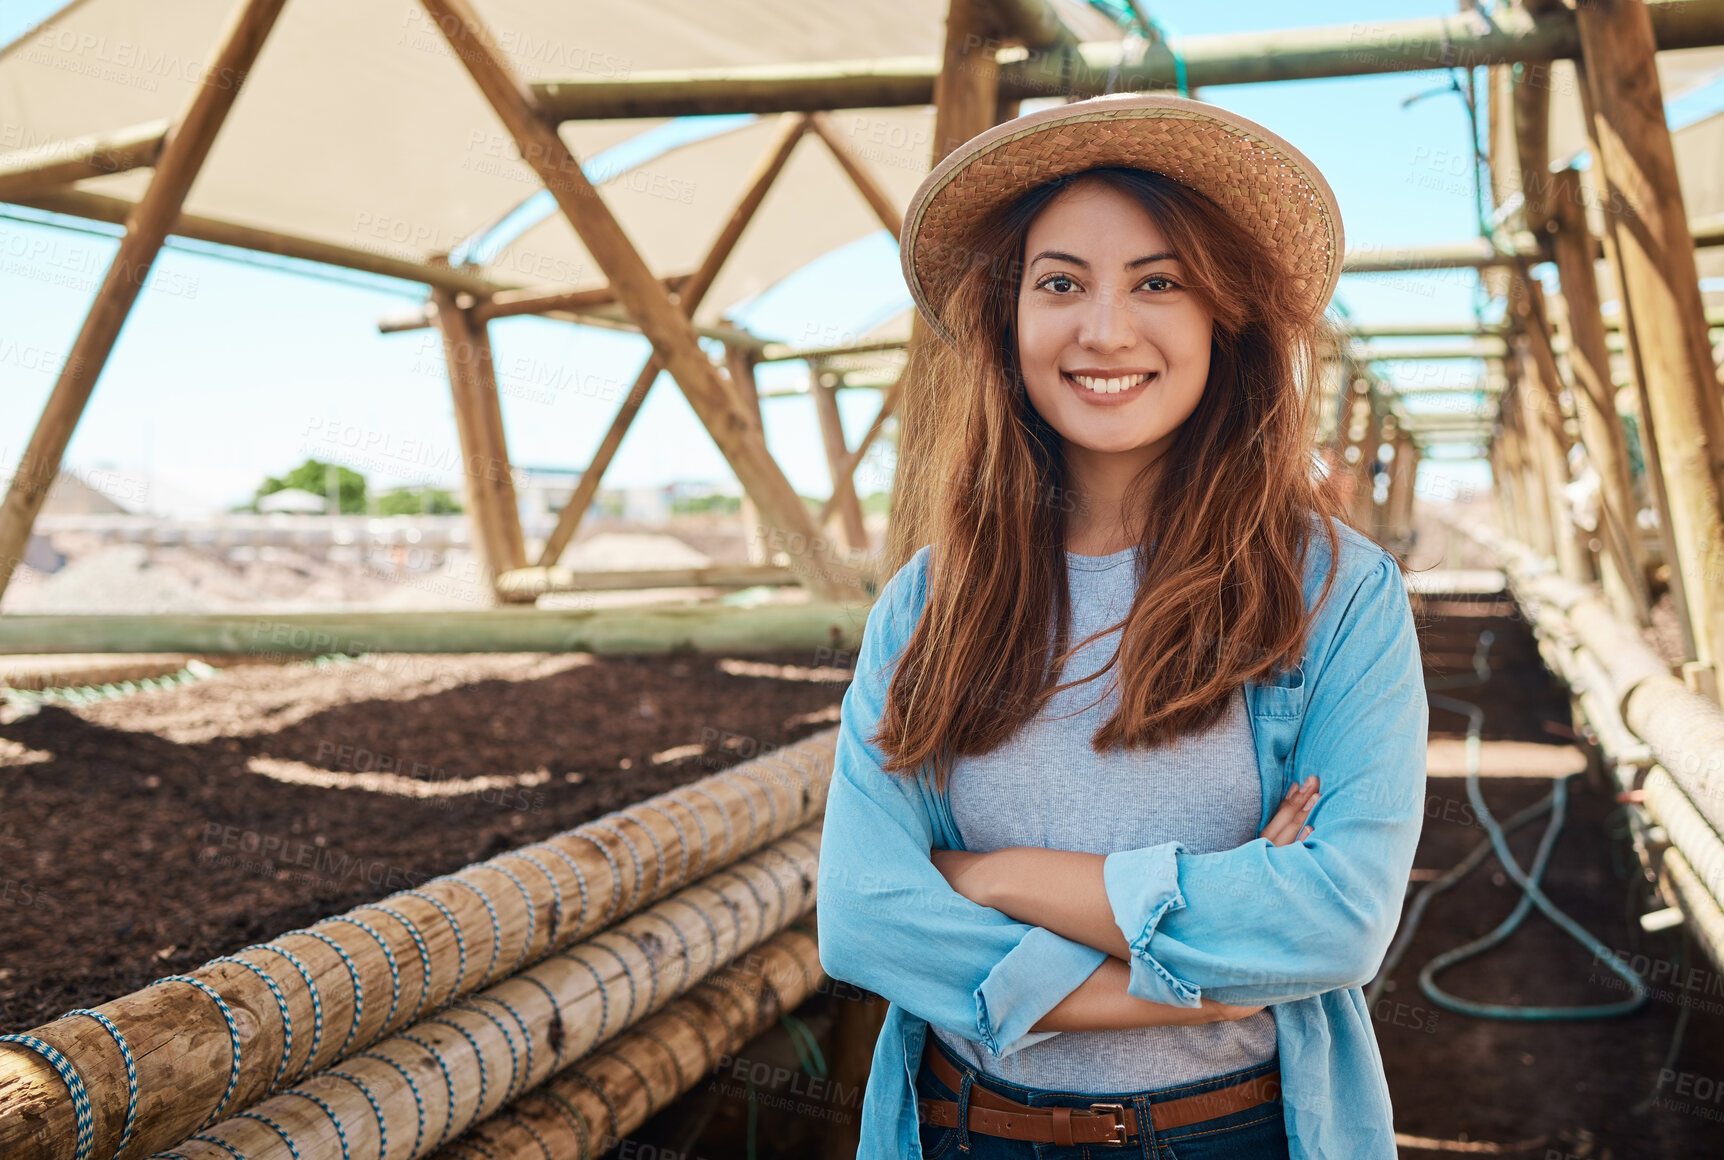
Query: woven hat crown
{"type": "Point", "coordinates": [1261, 182]}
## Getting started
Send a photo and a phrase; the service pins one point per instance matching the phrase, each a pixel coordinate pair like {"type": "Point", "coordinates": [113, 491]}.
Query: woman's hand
{"type": "Point", "coordinates": [1283, 829]}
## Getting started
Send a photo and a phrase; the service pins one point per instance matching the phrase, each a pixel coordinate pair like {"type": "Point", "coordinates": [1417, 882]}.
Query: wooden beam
{"type": "Point", "coordinates": [889, 214]}
{"type": "Point", "coordinates": [838, 461]}
{"type": "Point", "coordinates": [60, 163]}
{"type": "Point", "coordinates": [966, 100]}
{"type": "Point", "coordinates": [181, 157]}
{"type": "Point", "coordinates": [1034, 23]}
{"type": "Point", "coordinates": [1360, 49]}
{"type": "Point", "coordinates": [116, 210]}
{"type": "Point", "coordinates": [659, 317]}
{"type": "Point", "coordinates": [1661, 287]}
{"type": "Point", "coordinates": [509, 303]}
{"type": "Point", "coordinates": [689, 296]}
{"type": "Point", "coordinates": [1475, 254]}
{"type": "Point", "coordinates": [486, 479]}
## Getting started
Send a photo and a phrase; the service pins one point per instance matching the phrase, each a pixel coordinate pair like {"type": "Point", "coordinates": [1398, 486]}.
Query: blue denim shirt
{"type": "Point", "coordinates": [1297, 928]}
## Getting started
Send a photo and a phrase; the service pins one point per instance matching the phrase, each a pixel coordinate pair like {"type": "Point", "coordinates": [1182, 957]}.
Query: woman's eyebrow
{"type": "Point", "coordinates": [1062, 256]}
{"type": "Point", "coordinates": [1162, 256]}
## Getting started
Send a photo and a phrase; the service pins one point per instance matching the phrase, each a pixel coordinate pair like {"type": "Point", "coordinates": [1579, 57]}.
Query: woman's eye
{"type": "Point", "coordinates": [1160, 282]}
{"type": "Point", "coordinates": [1058, 283]}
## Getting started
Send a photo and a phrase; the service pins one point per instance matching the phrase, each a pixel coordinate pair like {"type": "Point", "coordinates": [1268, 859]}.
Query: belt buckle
{"type": "Point", "coordinates": [1118, 1113]}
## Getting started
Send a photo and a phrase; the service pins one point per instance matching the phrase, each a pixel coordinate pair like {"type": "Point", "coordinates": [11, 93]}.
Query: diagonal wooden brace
{"type": "Point", "coordinates": [689, 296]}
{"type": "Point", "coordinates": [738, 435]}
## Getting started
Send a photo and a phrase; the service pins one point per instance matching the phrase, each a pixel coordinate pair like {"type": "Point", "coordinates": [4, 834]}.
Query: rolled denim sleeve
{"type": "Point", "coordinates": [889, 921]}
{"type": "Point", "coordinates": [1262, 923]}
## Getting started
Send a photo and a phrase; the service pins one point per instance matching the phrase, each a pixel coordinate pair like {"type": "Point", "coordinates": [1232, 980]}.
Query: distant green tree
{"type": "Point", "coordinates": [313, 476]}
{"type": "Point", "coordinates": [688, 505]}
{"type": "Point", "coordinates": [417, 501]}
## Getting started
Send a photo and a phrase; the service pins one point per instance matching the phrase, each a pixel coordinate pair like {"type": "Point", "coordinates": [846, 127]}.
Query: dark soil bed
{"type": "Point", "coordinates": [137, 835]}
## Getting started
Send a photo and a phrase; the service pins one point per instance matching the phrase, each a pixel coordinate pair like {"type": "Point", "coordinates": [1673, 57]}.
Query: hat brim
{"type": "Point", "coordinates": [1271, 189]}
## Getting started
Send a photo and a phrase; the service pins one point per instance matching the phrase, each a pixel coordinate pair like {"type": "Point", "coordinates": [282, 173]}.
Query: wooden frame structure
{"type": "Point", "coordinates": [982, 75]}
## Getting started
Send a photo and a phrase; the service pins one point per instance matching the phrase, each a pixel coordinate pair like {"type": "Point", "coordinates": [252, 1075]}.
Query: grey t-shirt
{"type": "Point", "coordinates": [1047, 787]}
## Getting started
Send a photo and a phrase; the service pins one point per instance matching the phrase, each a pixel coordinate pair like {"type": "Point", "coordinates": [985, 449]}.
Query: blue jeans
{"type": "Point", "coordinates": [1253, 1134]}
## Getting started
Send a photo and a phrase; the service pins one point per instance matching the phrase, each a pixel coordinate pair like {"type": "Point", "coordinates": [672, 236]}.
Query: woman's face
{"type": "Point", "coordinates": [1114, 349]}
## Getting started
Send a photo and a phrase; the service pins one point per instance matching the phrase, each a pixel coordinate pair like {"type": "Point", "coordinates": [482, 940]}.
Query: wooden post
{"type": "Point", "coordinates": [188, 143]}
{"type": "Point", "coordinates": [660, 318]}
{"type": "Point", "coordinates": [741, 371]}
{"type": "Point", "coordinates": [1526, 301]}
{"type": "Point", "coordinates": [823, 385]}
{"type": "Point", "coordinates": [790, 130]}
{"type": "Point", "coordinates": [1655, 258]}
{"type": "Point", "coordinates": [1623, 565]}
{"type": "Point", "coordinates": [1554, 211]}
{"type": "Point", "coordinates": [966, 99]}
{"type": "Point", "coordinates": [487, 481]}
{"type": "Point", "coordinates": [1398, 523]}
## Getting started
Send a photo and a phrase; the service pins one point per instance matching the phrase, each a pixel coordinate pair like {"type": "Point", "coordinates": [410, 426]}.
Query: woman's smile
{"type": "Point", "coordinates": [1109, 389]}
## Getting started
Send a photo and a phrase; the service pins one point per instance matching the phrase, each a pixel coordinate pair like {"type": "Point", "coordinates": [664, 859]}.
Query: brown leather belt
{"type": "Point", "coordinates": [992, 1114]}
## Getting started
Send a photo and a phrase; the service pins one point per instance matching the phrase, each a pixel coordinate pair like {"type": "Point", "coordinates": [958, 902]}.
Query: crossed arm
{"type": "Point", "coordinates": [1064, 891]}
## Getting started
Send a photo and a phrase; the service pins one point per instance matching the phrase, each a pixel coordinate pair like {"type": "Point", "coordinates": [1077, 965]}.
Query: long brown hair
{"type": "Point", "coordinates": [1228, 507]}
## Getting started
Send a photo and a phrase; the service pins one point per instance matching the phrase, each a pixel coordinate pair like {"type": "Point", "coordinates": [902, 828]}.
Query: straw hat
{"type": "Point", "coordinates": [1270, 188]}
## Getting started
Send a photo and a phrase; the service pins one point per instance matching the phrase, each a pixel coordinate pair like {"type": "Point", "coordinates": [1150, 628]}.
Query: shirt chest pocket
{"type": "Point", "coordinates": [1283, 695]}
{"type": "Point", "coordinates": [1277, 713]}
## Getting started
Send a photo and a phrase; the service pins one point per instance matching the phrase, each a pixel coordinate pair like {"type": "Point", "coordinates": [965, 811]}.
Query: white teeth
{"type": "Point", "coordinates": [1109, 386]}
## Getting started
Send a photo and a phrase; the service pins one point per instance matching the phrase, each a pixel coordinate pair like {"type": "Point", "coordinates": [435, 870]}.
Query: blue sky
{"type": "Point", "coordinates": [238, 369]}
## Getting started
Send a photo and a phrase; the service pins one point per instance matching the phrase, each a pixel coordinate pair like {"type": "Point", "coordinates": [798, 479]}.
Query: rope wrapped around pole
{"type": "Point", "coordinates": [412, 1092]}
{"type": "Point", "coordinates": [158, 1065]}
{"type": "Point", "coordinates": [589, 1109]}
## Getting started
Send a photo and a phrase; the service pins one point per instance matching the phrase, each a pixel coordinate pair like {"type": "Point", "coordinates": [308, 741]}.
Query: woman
{"type": "Point", "coordinates": [1075, 832]}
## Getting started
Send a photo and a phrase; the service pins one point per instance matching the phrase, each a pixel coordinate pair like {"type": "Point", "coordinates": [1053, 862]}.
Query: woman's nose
{"type": "Point", "coordinates": [1107, 324]}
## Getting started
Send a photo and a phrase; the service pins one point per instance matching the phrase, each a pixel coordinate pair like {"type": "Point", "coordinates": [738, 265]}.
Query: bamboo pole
{"type": "Point", "coordinates": [59, 164]}
{"type": "Point", "coordinates": [660, 318]}
{"type": "Point", "coordinates": [1623, 568]}
{"type": "Point", "coordinates": [966, 99]}
{"type": "Point", "coordinates": [872, 192]}
{"type": "Point", "coordinates": [589, 1110]}
{"type": "Point", "coordinates": [703, 628]}
{"type": "Point", "coordinates": [473, 1057]}
{"type": "Point", "coordinates": [1656, 258]}
{"type": "Point", "coordinates": [487, 482]}
{"type": "Point", "coordinates": [182, 155]}
{"type": "Point", "coordinates": [529, 583]}
{"type": "Point", "coordinates": [421, 948]}
{"type": "Point", "coordinates": [837, 459]}
{"type": "Point", "coordinates": [1359, 49]}
{"type": "Point", "coordinates": [689, 296]}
